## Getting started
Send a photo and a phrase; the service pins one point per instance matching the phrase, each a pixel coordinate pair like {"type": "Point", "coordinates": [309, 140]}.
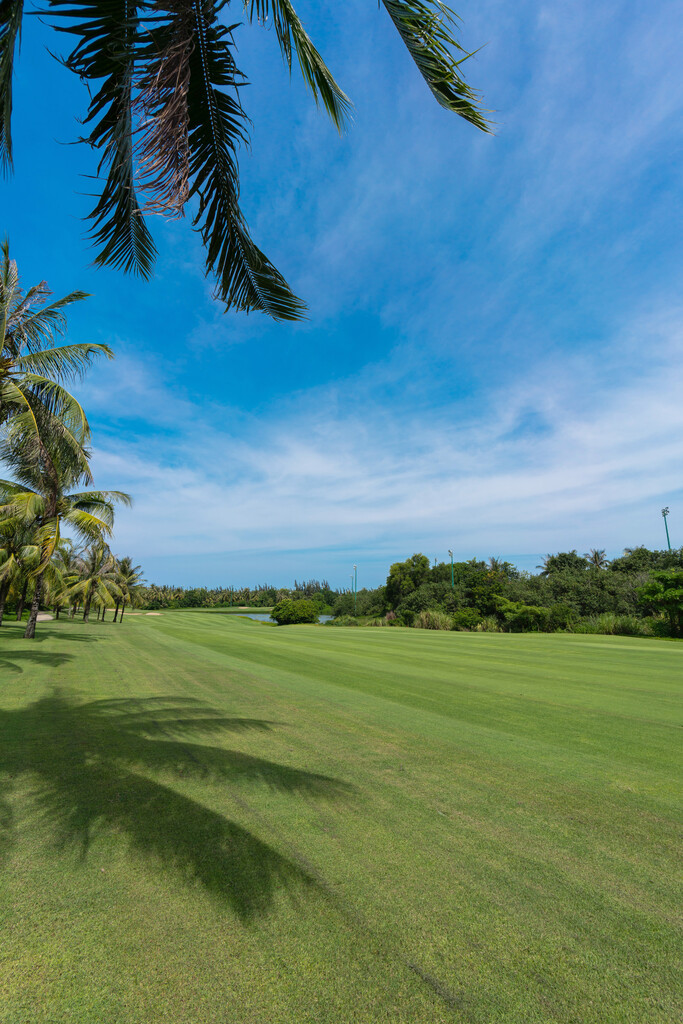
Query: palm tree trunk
{"type": "Point", "coordinates": [116, 610]}
{"type": "Point", "coordinates": [22, 600]}
{"type": "Point", "coordinates": [123, 608]}
{"type": "Point", "coordinates": [86, 607]}
{"type": "Point", "coordinates": [57, 611]}
{"type": "Point", "coordinates": [35, 605]}
{"type": "Point", "coordinates": [103, 611]}
{"type": "Point", "coordinates": [4, 590]}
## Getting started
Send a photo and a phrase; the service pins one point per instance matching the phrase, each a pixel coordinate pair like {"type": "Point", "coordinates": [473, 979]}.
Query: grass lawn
{"type": "Point", "coordinates": [204, 819]}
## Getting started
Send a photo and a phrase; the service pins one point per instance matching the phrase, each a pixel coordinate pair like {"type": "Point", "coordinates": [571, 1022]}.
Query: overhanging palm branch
{"type": "Point", "coordinates": [11, 12]}
{"type": "Point", "coordinates": [292, 35]}
{"type": "Point", "coordinates": [246, 279]}
{"type": "Point", "coordinates": [166, 118]}
{"type": "Point", "coordinates": [108, 33]}
{"type": "Point", "coordinates": [427, 29]}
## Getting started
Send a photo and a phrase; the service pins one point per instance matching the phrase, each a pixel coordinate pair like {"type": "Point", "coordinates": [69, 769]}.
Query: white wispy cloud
{"type": "Point", "coordinates": [542, 464]}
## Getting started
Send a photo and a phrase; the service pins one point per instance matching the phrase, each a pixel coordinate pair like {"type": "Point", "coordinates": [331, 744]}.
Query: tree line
{"type": "Point", "coordinates": [640, 593]}
{"type": "Point", "coordinates": [261, 596]}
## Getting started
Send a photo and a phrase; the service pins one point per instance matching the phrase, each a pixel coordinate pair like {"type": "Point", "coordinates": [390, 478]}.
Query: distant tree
{"type": "Point", "coordinates": [96, 580]}
{"type": "Point", "coordinates": [664, 593]}
{"type": "Point", "coordinates": [405, 577]}
{"type": "Point", "coordinates": [288, 612]}
{"type": "Point", "coordinates": [563, 561]}
{"type": "Point", "coordinates": [641, 560]}
{"type": "Point", "coordinates": [129, 580]}
{"type": "Point", "coordinates": [596, 558]}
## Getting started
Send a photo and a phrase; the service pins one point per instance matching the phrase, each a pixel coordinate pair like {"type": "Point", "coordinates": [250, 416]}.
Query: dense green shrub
{"type": "Point", "coordinates": [609, 624]}
{"type": "Point", "coordinates": [344, 620]}
{"type": "Point", "coordinates": [428, 595]}
{"type": "Point", "coordinates": [664, 593]}
{"type": "Point", "coordinates": [432, 619]}
{"type": "Point", "coordinates": [490, 624]}
{"type": "Point", "coordinates": [624, 625]}
{"type": "Point", "coordinates": [405, 577]}
{"type": "Point", "coordinates": [466, 618]}
{"type": "Point", "coordinates": [522, 618]}
{"type": "Point", "coordinates": [368, 602]}
{"type": "Point", "coordinates": [562, 616]}
{"type": "Point", "coordinates": [288, 612]}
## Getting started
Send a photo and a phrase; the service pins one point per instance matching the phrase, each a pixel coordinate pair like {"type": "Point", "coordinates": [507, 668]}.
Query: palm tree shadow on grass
{"type": "Point", "coordinates": [87, 763]}
{"type": "Point", "coordinates": [16, 662]}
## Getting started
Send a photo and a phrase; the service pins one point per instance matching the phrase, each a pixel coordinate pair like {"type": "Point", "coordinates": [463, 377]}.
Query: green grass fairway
{"type": "Point", "coordinates": [205, 819]}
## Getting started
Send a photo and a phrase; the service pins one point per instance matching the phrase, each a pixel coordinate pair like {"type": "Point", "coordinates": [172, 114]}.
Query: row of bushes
{"type": "Point", "coordinates": [523, 619]}
{"type": "Point", "coordinates": [640, 594]}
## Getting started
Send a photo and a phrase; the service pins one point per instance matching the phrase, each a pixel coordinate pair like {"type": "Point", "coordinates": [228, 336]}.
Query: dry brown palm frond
{"type": "Point", "coordinates": [162, 148]}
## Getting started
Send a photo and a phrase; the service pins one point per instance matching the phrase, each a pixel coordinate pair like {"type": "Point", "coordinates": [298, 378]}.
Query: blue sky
{"type": "Point", "coordinates": [492, 358]}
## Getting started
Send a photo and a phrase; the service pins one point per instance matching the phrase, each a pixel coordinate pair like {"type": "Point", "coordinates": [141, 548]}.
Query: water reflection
{"type": "Point", "coordinates": [265, 617]}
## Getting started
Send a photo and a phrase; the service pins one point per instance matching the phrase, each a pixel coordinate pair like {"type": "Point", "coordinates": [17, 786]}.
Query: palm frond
{"type": "Point", "coordinates": [36, 294]}
{"type": "Point", "coordinates": [162, 103]}
{"type": "Point", "coordinates": [39, 327]}
{"type": "Point", "coordinates": [9, 286]}
{"type": "Point", "coordinates": [292, 35]}
{"type": "Point", "coordinates": [63, 362]}
{"type": "Point", "coordinates": [12, 399]}
{"type": "Point", "coordinates": [246, 279]}
{"type": "Point", "coordinates": [108, 32]}
{"type": "Point", "coordinates": [21, 505]}
{"type": "Point", "coordinates": [86, 525]}
{"type": "Point", "coordinates": [427, 29]}
{"type": "Point", "coordinates": [11, 12]}
{"type": "Point", "coordinates": [102, 497]}
{"type": "Point", "coordinates": [47, 440]}
{"type": "Point", "coordinates": [46, 398]}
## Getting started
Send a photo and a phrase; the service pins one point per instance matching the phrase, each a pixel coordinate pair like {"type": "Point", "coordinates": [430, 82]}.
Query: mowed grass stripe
{"type": "Point", "coordinates": [471, 682]}
{"type": "Point", "coordinates": [498, 842]}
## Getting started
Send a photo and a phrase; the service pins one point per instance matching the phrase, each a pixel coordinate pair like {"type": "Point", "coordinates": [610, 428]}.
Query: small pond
{"type": "Point", "coordinates": [265, 617]}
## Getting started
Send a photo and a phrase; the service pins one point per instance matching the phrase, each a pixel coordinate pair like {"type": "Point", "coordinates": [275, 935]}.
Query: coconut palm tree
{"type": "Point", "coordinates": [19, 553]}
{"type": "Point", "coordinates": [43, 496]}
{"type": "Point", "coordinates": [96, 580]}
{"type": "Point", "coordinates": [166, 118]}
{"type": "Point", "coordinates": [130, 581]}
{"type": "Point", "coordinates": [596, 558]}
{"type": "Point", "coordinates": [67, 561]}
{"type": "Point", "coordinates": [33, 367]}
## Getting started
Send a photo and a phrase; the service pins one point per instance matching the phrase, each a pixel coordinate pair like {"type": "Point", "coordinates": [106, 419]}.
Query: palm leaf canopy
{"type": "Point", "coordinates": [166, 118]}
{"type": "Point", "coordinates": [33, 369]}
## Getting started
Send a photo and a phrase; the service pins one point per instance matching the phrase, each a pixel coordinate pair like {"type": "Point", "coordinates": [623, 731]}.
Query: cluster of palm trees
{"type": "Point", "coordinates": [44, 436]}
{"type": "Point", "coordinates": [77, 580]}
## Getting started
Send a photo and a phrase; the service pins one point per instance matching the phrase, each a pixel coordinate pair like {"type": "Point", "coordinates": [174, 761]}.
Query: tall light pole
{"type": "Point", "coordinates": [665, 512]}
{"type": "Point", "coordinates": [355, 587]}
{"type": "Point", "coordinates": [452, 579]}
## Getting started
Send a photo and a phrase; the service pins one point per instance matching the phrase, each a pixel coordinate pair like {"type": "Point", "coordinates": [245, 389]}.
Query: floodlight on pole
{"type": "Point", "coordinates": [665, 512]}
{"type": "Point", "coordinates": [452, 578]}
